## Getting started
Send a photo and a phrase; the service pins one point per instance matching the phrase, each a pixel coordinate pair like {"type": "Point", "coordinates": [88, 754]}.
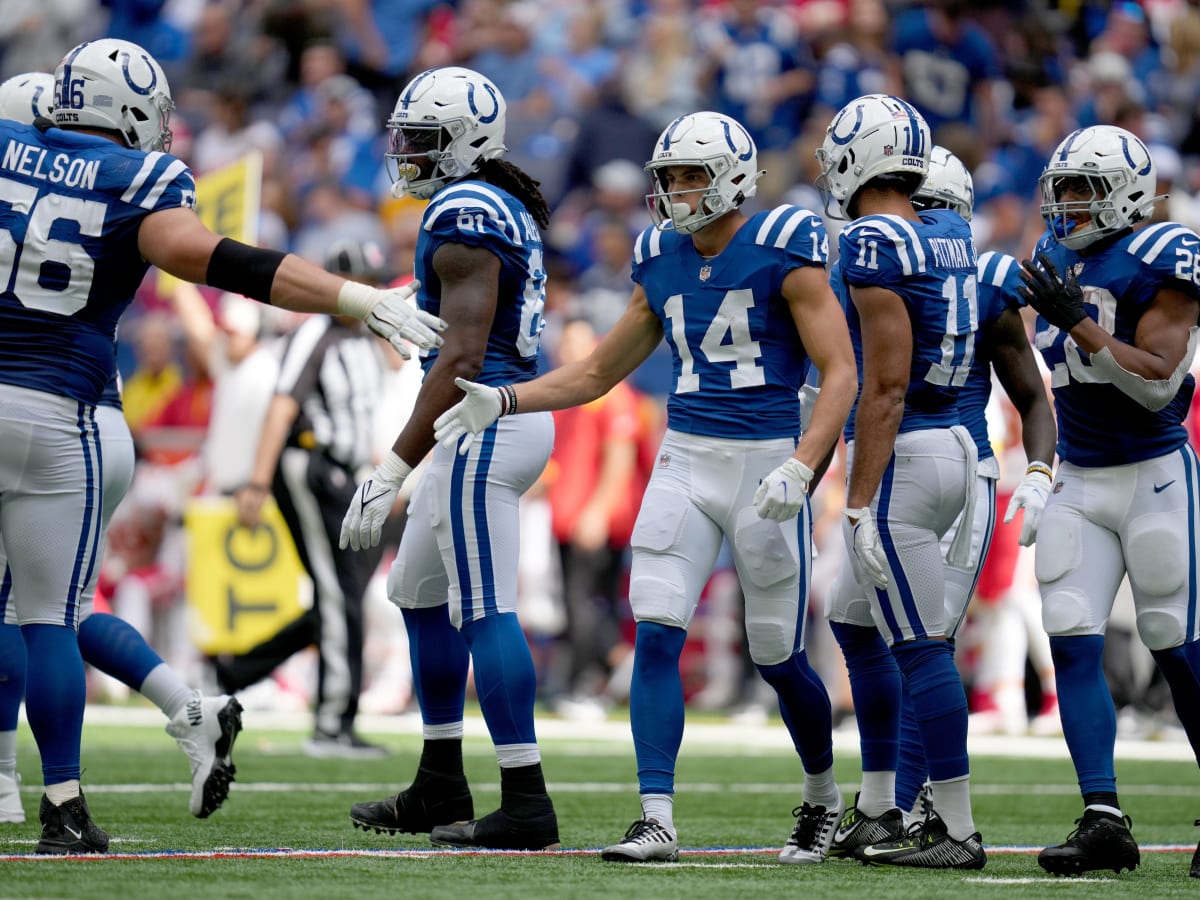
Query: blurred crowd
{"type": "Point", "coordinates": [308, 84]}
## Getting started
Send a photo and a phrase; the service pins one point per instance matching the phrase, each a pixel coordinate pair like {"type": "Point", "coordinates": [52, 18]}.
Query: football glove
{"type": "Point", "coordinates": [780, 496]}
{"type": "Point", "coordinates": [866, 546]}
{"type": "Point", "coordinates": [1058, 301]}
{"type": "Point", "coordinates": [363, 525]}
{"type": "Point", "coordinates": [392, 314]}
{"type": "Point", "coordinates": [1031, 496]}
{"type": "Point", "coordinates": [470, 416]}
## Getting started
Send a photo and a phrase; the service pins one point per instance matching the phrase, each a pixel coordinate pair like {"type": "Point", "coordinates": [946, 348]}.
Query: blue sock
{"type": "Point", "coordinates": [1181, 667]}
{"type": "Point", "coordinates": [505, 680]}
{"type": "Point", "coordinates": [656, 705]}
{"type": "Point", "coordinates": [116, 648]}
{"type": "Point", "coordinates": [440, 661]}
{"type": "Point", "coordinates": [804, 705]}
{"type": "Point", "coordinates": [913, 770]}
{"type": "Point", "coordinates": [939, 705]}
{"type": "Point", "coordinates": [875, 684]}
{"type": "Point", "coordinates": [55, 691]}
{"type": "Point", "coordinates": [12, 675]}
{"type": "Point", "coordinates": [1085, 705]}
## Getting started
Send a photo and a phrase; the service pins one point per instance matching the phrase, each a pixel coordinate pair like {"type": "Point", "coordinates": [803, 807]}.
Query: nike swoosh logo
{"type": "Point", "coordinates": [367, 501]}
{"type": "Point", "coordinates": [1159, 488]}
{"type": "Point", "coordinates": [872, 850]}
{"type": "Point", "coordinates": [78, 834]}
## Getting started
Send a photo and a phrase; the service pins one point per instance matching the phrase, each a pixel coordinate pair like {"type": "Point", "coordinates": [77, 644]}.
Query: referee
{"type": "Point", "coordinates": [316, 436]}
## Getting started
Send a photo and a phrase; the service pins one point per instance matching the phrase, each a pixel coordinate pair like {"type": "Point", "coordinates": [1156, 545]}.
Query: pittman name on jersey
{"type": "Point", "coordinates": [59, 168]}
{"type": "Point", "coordinates": [953, 253]}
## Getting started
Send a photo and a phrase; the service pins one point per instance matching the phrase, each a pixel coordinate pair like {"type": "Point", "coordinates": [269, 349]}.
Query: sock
{"type": "Point", "coordinates": [12, 692]}
{"type": "Point", "coordinates": [523, 791]}
{"type": "Point", "coordinates": [875, 685]}
{"type": "Point", "coordinates": [1181, 668]}
{"type": "Point", "coordinates": [505, 680]}
{"type": "Point", "coordinates": [660, 808]}
{"type": "Point", "coordinates": [804, 705]}
{"type": "Point", "coordinates": [62, 791]}
{"type": "Point", "coordinates": [1103, 802]}
{"type": "Point", "coordinates": [954, 806]}
{"type": "Point", "coordinates": [656, 705]}
{"type": "Point", "coordinates": [55, 691]}
{"type": "Point", "coordinates": [440, 662]}
{"type": "Point", "coordinates": [116, 648]}
{"type": "Point", "coordinates": [440, 759]}
{"type": "Point", "coordinates": [165, 689]}
{"type": "Point", "coordinates": [820, 789]}
{"type": "Point", "coordinates": [912, 771]}
{"type": "Point", "coordinates": [1088, 718]}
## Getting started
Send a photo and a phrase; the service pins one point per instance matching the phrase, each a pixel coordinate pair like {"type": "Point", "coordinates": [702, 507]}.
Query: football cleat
{"type": "Point", "coordinates": [645, 841]}
{"type": "Point", "coordinates": [69, 829]}
{"type": "Point", "coordinates": [927, 845]}
{"type": "Point", "coordinates": [417, 810]}
{"type": "Point", "coordinates": [205, 730]}
{"type": "Point", "coordinates": [1100, 841]}
{"type": "Point", "coordinates": [813, 834]}
{"type": "Point", "coordinates": [858, 830]}
{"type": "Point", "coordinates": [500, 830]}
{"type": "Point", "coordinates": [1196, 857]}
{"type": "Point", "coordinates": [10, 799]}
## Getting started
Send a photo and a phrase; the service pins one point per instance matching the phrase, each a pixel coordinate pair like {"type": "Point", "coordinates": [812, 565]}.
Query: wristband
{"type": "Point", "coordinates": [1039, 467]}
{"type": "Point", "coordinates": [356, 299]}
{"type": "Point", "coordinates": [394, 468]}
{"type": "Point", "coordinates": [508, 400]}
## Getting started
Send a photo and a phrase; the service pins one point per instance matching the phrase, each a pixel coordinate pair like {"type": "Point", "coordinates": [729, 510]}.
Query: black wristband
{"type": "Point", "coordinates": [242, 269]}
{"type": "Point", "coordinates": [508, 400]}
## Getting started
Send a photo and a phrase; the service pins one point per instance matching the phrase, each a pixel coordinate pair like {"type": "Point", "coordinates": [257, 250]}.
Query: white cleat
{"type": "Point", "coordinates": [10, 800]}
{"type": "Point", "coordinates": [813, 834]}
{"type": "Point", "coordinates": [645, 841]}
{"type": "Point", "coordinates": [205, 730]}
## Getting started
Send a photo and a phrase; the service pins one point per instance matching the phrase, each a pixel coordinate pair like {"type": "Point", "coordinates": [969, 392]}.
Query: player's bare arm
{"type": "Point", "coordinates": [822, 327]}
{"type": "Point", "coordinates": [470, 278]}
{"type": "Point", "coordinates": [887, 355]}
{"type": "Point", "coordinates": [1161, 342]}
{"type": "Point", "coordinates": [622, 350]}
{"type": "Point", "coordinates": [1016, 368]}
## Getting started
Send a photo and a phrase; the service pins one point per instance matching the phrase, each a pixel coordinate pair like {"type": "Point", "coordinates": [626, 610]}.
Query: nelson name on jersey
{"type": "Point", "coordinates": [57, 168]}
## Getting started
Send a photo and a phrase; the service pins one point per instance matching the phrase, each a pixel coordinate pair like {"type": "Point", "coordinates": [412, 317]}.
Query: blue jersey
{"type": "Point", "coordinates": [738, 361]}
{"type": "Point", "coordinates": [931, 265]}
{"type": "Point", "coordinates": [1098, 424]}
{"type": "Point", "coordinates": [999, 279]}
{"type": "Point", "coordinates": [479, 214]}
{"type": "Point", "coordinates": [70, 208]}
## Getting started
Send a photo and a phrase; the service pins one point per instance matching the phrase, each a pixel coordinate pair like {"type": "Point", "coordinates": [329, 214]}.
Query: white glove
{"type": "Point", "coordinates": [363, 525]}
{"type": "Point", "coordinates": [392, 314]}
{"type": "Point", "coordinates": [780, 495]}
{"type": "Point", "coordinates": [866, 546]}
{"type": "Point", "coordinates": [470, 416]}
{"type": "Point", "coordinates": [1031, 496]}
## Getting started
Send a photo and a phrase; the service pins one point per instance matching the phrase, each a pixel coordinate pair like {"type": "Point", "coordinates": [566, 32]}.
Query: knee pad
{"type": "Point", "coordinates": [1059, 549]}
{"type": "Point", "coordinates": [408, 589]}
{"type": "Point", "coordinates": [1161, 629]}
{"type": "Point", "coordinates": [655, 599]}
{"type": "Point", "coordinates": [1067, 611]}
{"type": "Point", "coordinates": [1156, 557]}
{"type": "Point", "coordinates": [769, 556]}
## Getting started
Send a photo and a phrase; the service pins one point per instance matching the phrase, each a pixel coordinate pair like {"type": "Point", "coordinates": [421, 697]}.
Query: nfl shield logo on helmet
{"type": "Point", "coordinates": [888, 149]}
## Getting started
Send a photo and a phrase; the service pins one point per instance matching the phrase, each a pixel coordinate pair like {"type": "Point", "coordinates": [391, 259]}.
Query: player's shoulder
{"type": "Point", "coordinates": [887, 241]}
{"type": "Point", "coordinates": [787, 226]}
{"type": "Point", "coordinates": [479, 206]}
{"type": "Point", "coordinates": [997, 268]}
{"type": "Point", "coordinates": [654, 243]}
{"type": "Point", "coordinates": [1160, 241]}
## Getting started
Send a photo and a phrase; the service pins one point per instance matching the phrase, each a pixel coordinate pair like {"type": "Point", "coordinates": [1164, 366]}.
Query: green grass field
{"type": "Point", "coordinates": [732, 808]}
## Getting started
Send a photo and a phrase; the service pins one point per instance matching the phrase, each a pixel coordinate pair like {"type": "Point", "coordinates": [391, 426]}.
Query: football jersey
{"type": "Point", "coordinates": [738, 362]}
{"type": "Point", "coordinates": [479, 214]}
{"type": "Point", "coordinates": [931, 265]}
{"type": "Point", "coordinates": [997, 286]}
{"type": "Point", "coordinates": [1098, 424]}
{"type": "Point", "coordinates": [70, 208]}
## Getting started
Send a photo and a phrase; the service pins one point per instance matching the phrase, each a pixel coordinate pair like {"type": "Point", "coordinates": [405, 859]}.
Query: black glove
{"type": "Point", "coordinates": [1059, 302]}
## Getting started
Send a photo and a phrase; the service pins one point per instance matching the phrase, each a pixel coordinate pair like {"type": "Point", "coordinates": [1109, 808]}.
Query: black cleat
{"type": "Point", "coordinates": [927, 845]}
{"type": "Point", "coordinates": [69, 829]}
{"type": "Point", "coordinates": [1100, 842]}
{"type": "Point", "coordinates": [1196, 857]}
{"type": "Point", "coordinates": [416, 810]}
{"type": "Point", "coordinates": [857, 830]}
{"type": "Point", "coordinates": [501, 831]}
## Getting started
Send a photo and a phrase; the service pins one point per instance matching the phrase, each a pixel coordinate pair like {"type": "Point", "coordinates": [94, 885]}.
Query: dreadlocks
{"type": "Point", "coordinates": [506, 176]}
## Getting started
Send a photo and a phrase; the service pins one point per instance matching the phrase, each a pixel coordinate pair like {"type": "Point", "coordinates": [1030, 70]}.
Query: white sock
{"type": "Point", "coordinates": [60, 793]}
{"type": "Point", "coordinates": [659, 807]}
{"type": "Point", "coordinates": [442, 732]}
{"type": "Point", "coordinates": [1107, 810]}
{"type": "Point", "coordinates": [8, 753]}
{"type": "Point", "coordinates": [821, 789]}
{"type": "Point", "coordinates": [167, 690]}
{"type": "Point", "coordinates": [878, 793]}
{"type": "Point", "coordinates": [953, 804]}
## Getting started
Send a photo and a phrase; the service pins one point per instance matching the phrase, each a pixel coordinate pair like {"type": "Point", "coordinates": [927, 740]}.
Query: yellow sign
{"type": "Point", "coordinates": [227, 201]}
{"type": "Point", "coordinates": [242, 585]}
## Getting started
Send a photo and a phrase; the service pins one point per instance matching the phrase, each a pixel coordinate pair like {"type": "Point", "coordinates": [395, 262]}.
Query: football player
{"type": "Point", "coordinates": [93, 198]}
{"type": "Point", "coordinates": [1117, 324]}
{"type": "Point", "coordinates": [909, 283]}
{"type": "Point", "coordinates": [480, 256]}
{"type": "Point", "coordinates": [744, 303]}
